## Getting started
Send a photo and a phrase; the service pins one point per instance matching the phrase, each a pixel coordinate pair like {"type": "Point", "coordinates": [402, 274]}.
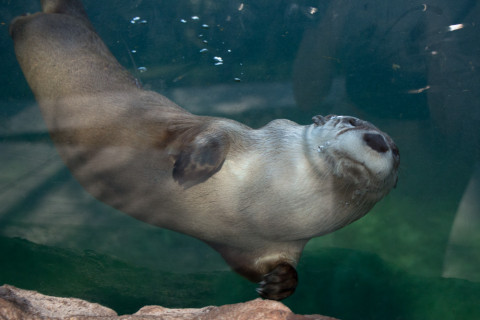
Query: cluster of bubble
{"type": "Point", "coordinates": [138, 20]}
{"type": "Point", "coordinates": [217, 60]}
{"type": "Point", "coordinates": [323, 147]}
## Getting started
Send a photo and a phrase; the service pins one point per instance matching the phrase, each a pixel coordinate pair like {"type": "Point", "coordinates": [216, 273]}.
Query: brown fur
{"type": "Point", "coordinates": [256, 196]}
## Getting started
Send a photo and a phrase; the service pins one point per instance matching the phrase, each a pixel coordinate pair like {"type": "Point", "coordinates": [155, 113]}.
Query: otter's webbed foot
{"type": "Point", "coordinates": [279, 283]}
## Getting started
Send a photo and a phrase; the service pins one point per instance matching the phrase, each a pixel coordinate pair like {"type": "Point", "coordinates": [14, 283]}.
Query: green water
{"type": "Point", "coordinates": [56, 239]}
{"type": "Point", "coordinates": [347, 283]}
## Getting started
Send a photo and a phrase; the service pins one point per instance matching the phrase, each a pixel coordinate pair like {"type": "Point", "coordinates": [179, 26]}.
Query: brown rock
{"type": "Point", "coordinates": [33, 303]}
{"type": "Point", "coordinates": [9, 310]}
{"type": "Point", "coordinates": [18, 304]}
{"type": "Point", "coordinates": [251, 310]}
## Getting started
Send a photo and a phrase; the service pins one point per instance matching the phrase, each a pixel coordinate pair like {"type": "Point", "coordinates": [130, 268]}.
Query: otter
{"type": "Point", "coordinates": [257, 196]}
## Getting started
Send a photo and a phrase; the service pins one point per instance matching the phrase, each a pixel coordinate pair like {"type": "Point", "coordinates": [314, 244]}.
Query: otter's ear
{"type": "Point", "coordinates": [201, 158]}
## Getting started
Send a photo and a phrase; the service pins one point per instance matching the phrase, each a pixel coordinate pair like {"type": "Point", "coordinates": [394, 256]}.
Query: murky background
{"type": "Point", "coordinates": [408, 67]}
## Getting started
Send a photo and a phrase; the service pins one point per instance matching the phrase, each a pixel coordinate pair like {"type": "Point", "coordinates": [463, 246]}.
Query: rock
{"type": "Point", "coordinates": [15, 303]}
{"type": "Point", "coordinates": [257, 309]}
{"type": "Point", "coordinates": [19, 304]}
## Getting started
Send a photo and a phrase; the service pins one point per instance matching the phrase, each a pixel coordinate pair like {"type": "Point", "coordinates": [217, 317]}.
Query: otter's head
{"type": "Point", "coordinates": [355, 152]}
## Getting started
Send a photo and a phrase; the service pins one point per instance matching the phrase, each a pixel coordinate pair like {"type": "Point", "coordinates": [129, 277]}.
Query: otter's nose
{"type": "Point", "coordinates": [376, 142]}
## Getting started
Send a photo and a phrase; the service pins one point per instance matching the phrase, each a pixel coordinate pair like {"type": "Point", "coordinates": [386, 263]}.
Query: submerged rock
{"type": "Point", "coordinates": [24, 304]}
{"type": "Point", "coordinates": [19, 304]}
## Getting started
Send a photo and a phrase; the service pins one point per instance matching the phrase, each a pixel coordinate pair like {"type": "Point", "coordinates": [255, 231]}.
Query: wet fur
{"type": "Point", "coordinates": [256, 196]}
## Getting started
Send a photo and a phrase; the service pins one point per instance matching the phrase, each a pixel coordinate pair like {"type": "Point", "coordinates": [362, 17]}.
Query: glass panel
{"type": "Point", "coordinates": [409, 68]}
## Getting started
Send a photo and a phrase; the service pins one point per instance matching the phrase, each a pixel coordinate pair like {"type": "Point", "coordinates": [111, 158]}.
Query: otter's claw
{"type": "Point", "coordinates": [279, 283]}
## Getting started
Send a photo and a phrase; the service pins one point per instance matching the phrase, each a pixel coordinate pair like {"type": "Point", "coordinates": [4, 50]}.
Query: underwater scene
{"type": "Point", "coordinates": [411, 68]}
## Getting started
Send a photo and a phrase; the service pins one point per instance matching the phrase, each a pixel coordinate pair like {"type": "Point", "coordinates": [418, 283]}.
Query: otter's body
{"type": "Point", "coordinates": [256, 196]}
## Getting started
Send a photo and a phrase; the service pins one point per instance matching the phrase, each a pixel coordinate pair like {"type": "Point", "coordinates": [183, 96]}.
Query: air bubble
{"type": "Point", "coordinates": [312, 10]}
{"type": "Point", "coordinates": [324, 146]}
{"type": "Point", "coordinates": [196, 18]}
{"type": "Point", "coordinates": [455, 27]}
{"type": "Point", "coordinates": [137, 19]}
{"type": "Point", "coordinates": [183, 21]}
{"type": "Point", "coordinates": [237, 79]}
{"type": "Point", "coordinates": [142, 69]}
{"type": "Point", "coordinates": [205, 26]}
{"type": "Point", "coordinates": [204, 50]}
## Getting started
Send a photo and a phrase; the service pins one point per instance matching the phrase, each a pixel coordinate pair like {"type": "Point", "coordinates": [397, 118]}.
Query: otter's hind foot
{"type": "Point", "coordinates": [280, 283]}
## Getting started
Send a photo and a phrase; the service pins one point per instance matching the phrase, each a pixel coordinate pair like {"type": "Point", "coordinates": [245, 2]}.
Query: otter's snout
{"type": "Point", "coordinates": [376, 142]}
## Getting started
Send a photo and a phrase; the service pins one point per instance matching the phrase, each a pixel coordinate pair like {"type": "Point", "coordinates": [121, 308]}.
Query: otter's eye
{"type": "Point", "coordinates": [354, 122]}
